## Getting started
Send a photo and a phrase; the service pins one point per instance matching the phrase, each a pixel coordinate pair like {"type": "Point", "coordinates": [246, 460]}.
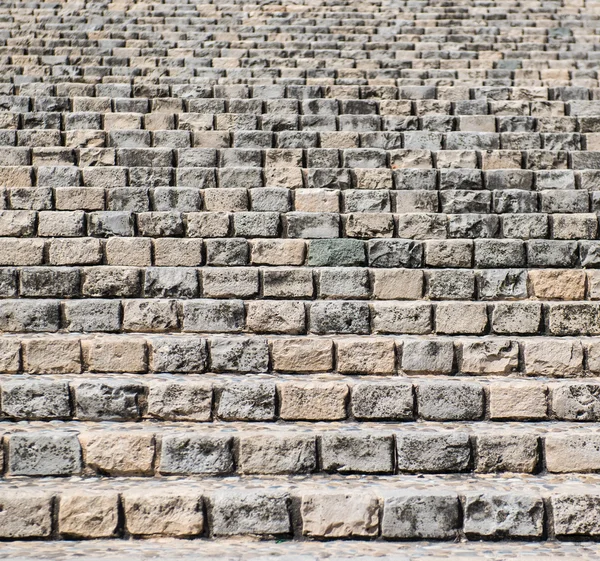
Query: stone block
{"type": "Point", "coordinates": [190, 454]}
{"type": "Point", "coordinates": [258, 513]}
{"type": "Point", "coordinates": [339, 515]}
{"type": "Point", "coordinates": [420, 515]}
{"type": "Point", "coordinates": [277, 454]}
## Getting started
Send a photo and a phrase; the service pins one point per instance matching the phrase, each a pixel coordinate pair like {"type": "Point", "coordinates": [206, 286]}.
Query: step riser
{"type": "Point", "coordinates": [367, 516]}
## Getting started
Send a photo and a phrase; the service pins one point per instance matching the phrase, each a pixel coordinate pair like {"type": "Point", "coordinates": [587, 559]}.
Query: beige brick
{"type": "Point", "coordinates": [561, 284]}
{"type": "Point", "coordinates": [15, 251]}
{"type": "Point", "coordinates": [302, 355]}
{"type": "Point", "coordinates": [397, 284]}
{"type": "Point", "coordinates": [112, 354]}
{"type": "Point", "coordinates": [339, 140]}
{"type": "Point", "coordinates": [86, 514]}
{"type": "Point", "coordinates": [10, 355]}
{"type": "Point", "coordinates": [317, 200]}
{"type": "Point", "coordinates": [566, 453]}
{"type": "Point", "coordinates": [561, 358]}
{"type": "Point", "coordinates": [15, 176]}
{"type": "Point", "coordinates": [313, 401]}
{"type": "Point", "coordinates": [489, 356]}
{"type": "Point", "coordinates": [277, 252]}
{"type": "Point", "coordinates": [339, 515]}
{"type": "Point", "coordinates": [75, 251]}
{"type": "Point", "coordinates": [79, 198]}
{"type": "Point", "coordinates": [518, 401]}
{"type": "Point", "coordinates": [51, 356]}
{"type": "Point", "coordinates": [501, 159]}
{"type": "Point", "coordinates": [152, 512]}
{"type": "Point", "coordinates": [366, 356]}
{"type": "Point", "coordinates": [130, 252]}
{"type": "Point", "coordinates": [118, 452]}
{"type": "Point", "coordinates": [177, 252]}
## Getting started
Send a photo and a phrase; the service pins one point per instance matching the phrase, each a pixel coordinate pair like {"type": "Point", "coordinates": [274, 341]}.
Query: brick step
{"type": "Point", "coordinates": [116, 286]}
{"type": "Point", "coordinates": [148, 449]}
{"type": "Point", "coordinates": [71, 353]}
{"type": "Point", "coordinates": [325, 317]}
{"type": "Point", "coordinates": [289, 398]}
{"type": "Point", "coordinates": [238, 549]}
{"type": "Point", "coordinates": [444, 507]}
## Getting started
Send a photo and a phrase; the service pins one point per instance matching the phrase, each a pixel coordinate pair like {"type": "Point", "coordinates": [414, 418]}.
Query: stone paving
{"type": "Point", "coordinates": [302, 279]}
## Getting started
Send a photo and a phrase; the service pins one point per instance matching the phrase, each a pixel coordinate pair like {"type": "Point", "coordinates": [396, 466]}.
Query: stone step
{"type": "Point", "coordinates": [381, 354]}
{"type": "Point", "coordinates": [308, 397]}
{"type": "Point", "coordinates": [446, 508]}
{"type": "Point", "coordinates": [148, 449]}
{"type": "Point", "coordinates": [238, 549]}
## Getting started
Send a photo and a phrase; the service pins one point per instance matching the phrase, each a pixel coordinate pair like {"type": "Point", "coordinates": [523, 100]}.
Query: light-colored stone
{"type": "Point", "coordinates": [302, 355]}
{"type": "Point", "coordinates": [559, 358]}
{"type": "Point", "coordinates": [277, 453]}
{"type": "Point", "coordinates": [318, 401]}
{"type": "Point", "coordinates": [518, 401]}
{"type": "Point", "coordinates": [561, 284]}
{"type": "Point", "coordinates": [118, 453]}
{"type": "Point", "coordinates": [397, 284]}
{"type": "Point", "coordinates": [174, 512]}
{"type": "Point", "coordinates": [496, 356]}
{"type": "Point", "coordinates": [25, 514]}
{"type": "Point", "coordinates": [566, 453]}
{"type": "Point", "coordinates": [339, 515]}
{"type": "Point", "coordinates": [576, 514]}
{"type": "Point", "coordinates": [85, 515]}
{"type": "Point", "coordinates": [52, 356]}
{"type": "Point", "coordinates": [366, 356]}
{"type": "Point", "coordinates": [113, 354]}
{"type": "Point", "coordinates": [507, 515]}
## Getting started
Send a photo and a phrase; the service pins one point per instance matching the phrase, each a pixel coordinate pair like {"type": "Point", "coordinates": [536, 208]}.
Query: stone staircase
{"type": "Point", "coordinates": [299, 270]}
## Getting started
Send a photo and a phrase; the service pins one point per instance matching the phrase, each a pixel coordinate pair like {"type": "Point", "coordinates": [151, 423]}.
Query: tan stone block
{"type": "Point", "coordinates": [317, 200]}
{"type": "Point", "coordinates": [339, 515]}
{"type": "Point", "coordinates": [79, 198]}
{"type": "Point", "coordinates": [283, 158]}
{"type": "Point", "coordinates": [75, 251]}
{"type": "Point", "coordinates": [395, 107]}
{"type": "Point", "coordinates": [290, 178]}
{"type": "Point", "coordinates": [339, 140]}
{"type": "Point", "coordinates": [397, 284]}
{"type": "Point", "coordinates": [366, 356]}
{"type": "Point", "coordinates": [177, 252]}
{"type": "Point", "coordinates": [592, 141]}
{"type": "Point", "coordinates": [560, 284]}
{"type": "Point", "coordinates": [477, 123]}
{"type": "Point", "coordinates": [129, 252]}
{"type": "Point", "coordinates": [313, 401]}
{"type": "Point", "coordinates": [456, 159]}
{"type": "Point", "coordinates": [277, 252]}
{"type": "Point", "coordinates": [122, 121]}
{"type": "Point", "coordinates": [15, 176]}
{"type": "Point", "coordinates": [489, 356]}
{"type": "Point", "coordinates": [16, 252]}
{"type": "Point", "coordinates": [518, 401]}
{"type": "Point", "coordinates": [51, 356]}
{"type": "Point", "coordinates": [25, 514]}
{"type": "Point", "coordinates": [118, 453]}
{"type": "Point", "coordinates": [402, 159]}
{"type": "Point", "coordinates": [567, 453]}
{"type": "Point", "coordinates": [501, 159]}
{"type": "Point", "coordinates": [275, 317]}
{"type": "Point", "coordinates": [85, 515]}
{"type": "Point", "coordinates": [302, 355]}
{"type": "Point", "coordinates": [561, 358]}
{"type": "Point", "coordinates": [113, 354]}
{"type": "Point", "coordinates": [593, 278]}
{"type": "Point", "coordinates": [10, 355]}
{"type": "Point", "coordinates": [370, 178]}
{"type": "Point", "coordinates": [464, 317]}
{"type": "Point", "coordinates": [152, 512]}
